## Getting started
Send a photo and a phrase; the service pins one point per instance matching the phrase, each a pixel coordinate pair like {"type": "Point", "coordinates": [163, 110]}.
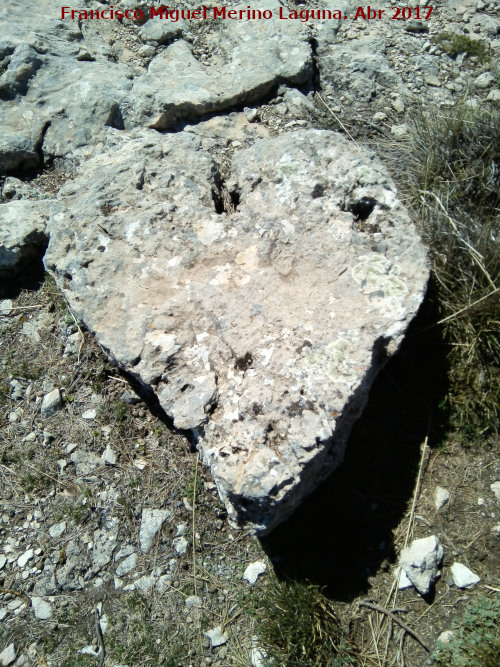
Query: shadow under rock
{"type": "Point", "coordinates": [342, 533]}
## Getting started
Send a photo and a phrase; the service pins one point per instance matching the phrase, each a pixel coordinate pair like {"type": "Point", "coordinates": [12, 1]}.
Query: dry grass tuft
{"type": "Point", "coordinates": [454, 159]}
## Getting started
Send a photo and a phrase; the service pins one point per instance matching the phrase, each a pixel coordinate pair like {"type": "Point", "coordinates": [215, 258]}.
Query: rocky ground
{"type": "Point", "coordinates": [115, 549]}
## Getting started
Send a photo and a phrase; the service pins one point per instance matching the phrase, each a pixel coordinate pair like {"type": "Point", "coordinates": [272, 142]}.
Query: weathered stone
{"type": "Point", "coordinates": [249, 58]}
{"type": "Point", "coordinates": [8, 655]}
{"type": "Point", "coordinates": [262, 329]}
{"type": "Point", "coordinates": [42, 609]}
{"type": "Point", "coordinates": [420, 561]}
{"type": "Point", "coordinates": [151, 523]}
{"type": "Point", "coordinates": [127, 565]}
{"type": "Point", "coordinates": [463, 577]}
{"type": "Point", "coordinates": [85, 462]}
{"type": "Point", "coordinates": [441, 497]}
{"type": "Point", "coordinates": [22, 234]}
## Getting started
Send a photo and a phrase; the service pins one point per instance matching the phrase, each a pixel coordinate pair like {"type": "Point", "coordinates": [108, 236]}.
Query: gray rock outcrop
{"type": "Point", "coordinates": [259, 330]}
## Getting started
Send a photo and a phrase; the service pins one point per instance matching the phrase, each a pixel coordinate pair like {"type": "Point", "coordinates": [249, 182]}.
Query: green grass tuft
{"type": "Point", "coordinates": [298, 628]}
{"type": "Point", "coordinates": [453, 44]}
{"type": "Point", "coordinates": [477, 643]}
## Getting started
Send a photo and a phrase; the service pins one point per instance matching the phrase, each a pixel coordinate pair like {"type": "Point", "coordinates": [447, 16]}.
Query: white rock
{"type": "Point", "coordinates": [180, 545]}
{"type": "Point", "coordinates": [109, 456]}
{"type": "Point", "coordinates": [144, 584]}
{"type": "Point", "coordinates": [253, 571]}
{"type": "Point", "coordinates": [42, 609]}
{"type": "Point", "coordinates": [402, 579]}
{"type": "Point", "coordinates": [193, 601]}
{"type": "Point", "coordinates": [127, 565]}
{"type": "Point", "coordinates": [89, 414]}
{"type": "Point", "coordinates": [484, 80]}
{"type": "Point", "coordinates": [51, 403]}
{"type": "Point", "coordinates": [446, 637]}
{"type": "Point", "coordinates": [495, 487]}
{"type": "Point", "coordinates": [151, 523]}
{"type": "Point", "coordinates": [57, 529]}
{"type": "Point", "coordinates": [27, 556]}
{"type": "Point", "coordinates": [8, 655]}
{"type": "Point", "coordinates": [420, 561]}
{"type": "Point", "coordinates": [463, 577]}
{"type": "Point", "coordinates": [494, 95]}
{"type": "Point", "coordinates": [216, 636]}
{"type": "Point", "coordinates": [399, 131]}
{"type": "Point", "coordinates": [480, 502]}
{"type": "Point", "coordinates": [441, 497]}
{"type": "Point", "coordinates": [257, 655]}
{"type": "Point", "coordinates": [3, 560]}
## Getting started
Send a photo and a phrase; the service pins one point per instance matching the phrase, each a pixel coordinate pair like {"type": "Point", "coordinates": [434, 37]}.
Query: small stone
{"type": "Point", "coordinates": [57, 529]}
{"type": "Point", "coordinates": [432, 80]}
{"type": "Point", "coordinates": [480, 502]}
{"type": "Point", "coordinates": [403, 582]}
{"type": "Point", "coordinates": [253, 571]}
{"type": "Point", "coordinates": [446, 637]}
{"type": "Point", "coordinates": [495, 487]}
{"type": "Point", "coordinates": [257, 655]}
{"type": "Point", "coordinates": [51, 403]}
{"type": "Point", "coordinates": [379, 117]}
{"type": "Point", "coordinates": [129, 398]}
{"type": "Point", "coordinates": [8, 655]}
{"type": "Point", "coordinates": [463, 577]}
{"type": "Point", "coordinates": [180, 545]}
{"type": "Point", "coordinates": [251, 114]}
{"type": "Point", "coordinates": [151, 523]}
{"type": "Point", "coordinates": [399, 131]}
{"type": "Point", "coordinates": [127, 565]}
{"type": "Point", "coordinates": [216, 636]}
{"type": "Point", "coordinates": [494, 95]}
{"type": "Point", "coordinates": [398, 105]}
{"type": "Point", "coordinates": [3, 560]}
{"type": "Point", "coordinates": [27, 556]}
{"type": "Point", "coordinates": [109, 456]}
{"type": "Point", "coordinates": [42, 609]}
{"type": "Point", "coordinates": [484, 80]}
{"type": "Point", "coordinates": [441, 497]}
{"type": "Point", "coordinates": [420, 561]}
{"type": "Point", "coordinates": [193, 601]}
{"type": "Point", "coordinates": [89, 414]}
{"type": "Point", "coordinates": [414, 25]}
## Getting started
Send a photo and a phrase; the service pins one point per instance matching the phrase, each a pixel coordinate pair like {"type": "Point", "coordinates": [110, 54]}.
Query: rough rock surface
{"type": "Point", "coordinates": [421, 561]}
{"type": "Point", "coordinates": [22, 234]}
{"type": "Point", "coordinates": [262, 330]}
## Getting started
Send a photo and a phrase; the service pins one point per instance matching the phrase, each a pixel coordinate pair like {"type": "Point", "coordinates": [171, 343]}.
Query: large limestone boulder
{"type": "Point", "coordinates": [261, 329]}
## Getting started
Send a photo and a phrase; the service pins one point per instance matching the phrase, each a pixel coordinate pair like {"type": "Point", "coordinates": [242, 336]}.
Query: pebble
{"type": "Point", "coordinates": [495, 487]}
{"type": "Point", "coordinates": [216, 636]}
{"type": "Point", "coordinates": [51, 403]}
{"type": "Point", "coordinates": [253, 571]}
{"type": "Point", "coordinates": [42, 609]}
{"type": "Point", "coordinates": [8, 655]}
{"type": "Point", "coordinates": [441, 497]}
{"type": "Point", "coordinates": [57, 529]}
{"type": "Point", "coordinates": [463, 577]}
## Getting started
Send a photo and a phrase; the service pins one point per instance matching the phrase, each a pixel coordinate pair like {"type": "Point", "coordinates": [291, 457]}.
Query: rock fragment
{"type": "Point", "coordinates": [51, 403]}
{"type": "Point", "coordinates": [463, 577]}
{"type": "Point", "coordinates": [441, 497]}
{"type": "Point", "coordinates": [253, 571]}
{"type": "Point", "coordinates": [495, 487]}
{"type": "Point", "coordinates": [216, 637]}
{"type": "Point", "coordinates": [42, 609]}
{"type": "Point", "coordinates": [8, 655]}
{"type": "Point", "coordinates": [420, 561]}
{"type": "Point", "coordinates": [151, 522]}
